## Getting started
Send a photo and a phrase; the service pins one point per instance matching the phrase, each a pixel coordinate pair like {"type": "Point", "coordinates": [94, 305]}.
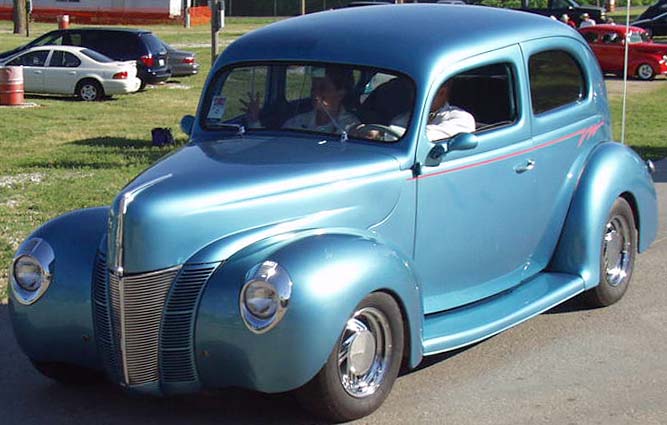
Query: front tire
{"type": "Point", "coordinates": [363, 365]}
{"type": "Point", "coordinates": [617, 257]}
{"type": "Point", "coordinates": [645, 72]}
{"type": "Point", "coordinates": [89, 91]}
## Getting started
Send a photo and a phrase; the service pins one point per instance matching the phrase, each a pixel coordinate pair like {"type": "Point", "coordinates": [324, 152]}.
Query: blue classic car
{"type": "Point", "coordinates": [362, 188]}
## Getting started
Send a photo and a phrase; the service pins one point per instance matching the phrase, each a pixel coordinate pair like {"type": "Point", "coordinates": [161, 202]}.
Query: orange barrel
{"type": "Point", "coordinates": [11, 85]}
{"type": "Point", "coordinates": [63, 22]}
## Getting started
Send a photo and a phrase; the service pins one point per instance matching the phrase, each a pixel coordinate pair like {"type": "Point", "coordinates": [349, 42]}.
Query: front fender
{"type": "Point", "coordinates": [612, 170]}
{"type": "Point", "coordinates": [59, 326]}
{"type": "Point", "coordinates": [331, 274]}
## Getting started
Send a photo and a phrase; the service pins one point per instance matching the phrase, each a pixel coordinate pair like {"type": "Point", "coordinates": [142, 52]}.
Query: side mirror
{"type": "Point", "coordinates": [187, 123]}
{"type": "Point", "coordinates": [462, 142]}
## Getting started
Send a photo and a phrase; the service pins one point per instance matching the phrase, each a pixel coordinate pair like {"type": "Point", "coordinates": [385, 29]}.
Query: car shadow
{"type": "Point", "coordinates": [21, 386]}
{"type": "Point", "coordinates": [102, 153]}
{"type": "Point", "coordinates": [63, 98]}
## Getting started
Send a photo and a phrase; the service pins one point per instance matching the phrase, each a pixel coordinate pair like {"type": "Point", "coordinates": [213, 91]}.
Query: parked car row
{"type": "Point", "coordinates": [95, 52]}
{"type": "Point", "coordinates": [646, 59]}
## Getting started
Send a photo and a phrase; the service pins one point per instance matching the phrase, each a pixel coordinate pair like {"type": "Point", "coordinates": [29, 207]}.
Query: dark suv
{"type": "Point", "coordinates": [121, 44]}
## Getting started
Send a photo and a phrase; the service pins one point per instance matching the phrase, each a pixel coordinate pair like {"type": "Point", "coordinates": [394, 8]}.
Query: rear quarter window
{"type": "Point", "coordinates": [556, 80]}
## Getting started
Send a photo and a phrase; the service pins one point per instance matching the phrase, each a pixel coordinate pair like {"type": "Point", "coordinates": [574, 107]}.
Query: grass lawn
{"type": "Point", "coordinates": [66, 154]}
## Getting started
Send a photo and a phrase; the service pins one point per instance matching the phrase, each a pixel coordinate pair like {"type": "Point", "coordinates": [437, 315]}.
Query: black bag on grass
{"type": "Point", "coordinates": [162, 136]}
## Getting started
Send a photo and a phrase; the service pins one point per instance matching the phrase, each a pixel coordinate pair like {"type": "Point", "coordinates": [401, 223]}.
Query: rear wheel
{"type": "Point", "coordinates": [89, 90]}
{"type": "Point", "coordinates": [363, 365]}
{"type": "Point", "coordinates": [617, 259]}
{"type": "Point", "coordinates": [645, 72]}
{"type": "Point", "coordinates": [68, 374]}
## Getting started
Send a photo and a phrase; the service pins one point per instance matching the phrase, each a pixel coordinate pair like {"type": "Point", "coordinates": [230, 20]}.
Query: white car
{"type": "Point", "coordinates": [74, 70]}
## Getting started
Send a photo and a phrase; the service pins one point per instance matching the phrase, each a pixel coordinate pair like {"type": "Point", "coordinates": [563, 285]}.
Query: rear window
{"type": "Point", "coordinates": [556, 80]}
{"type": "Point", "coordinates": [154, 44]}
{"type": "Point", "coordinates": [97, 57]}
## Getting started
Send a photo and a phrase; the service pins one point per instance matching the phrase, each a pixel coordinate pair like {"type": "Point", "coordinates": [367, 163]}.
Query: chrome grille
{"type": "Point", "coordinates": [107, 348]}
{"type": "Point", "coordinates": [176, 342]}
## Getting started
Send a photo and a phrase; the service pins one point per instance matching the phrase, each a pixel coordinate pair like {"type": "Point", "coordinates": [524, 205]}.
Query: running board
{"type": "Point", "coordinates": [466, 325]}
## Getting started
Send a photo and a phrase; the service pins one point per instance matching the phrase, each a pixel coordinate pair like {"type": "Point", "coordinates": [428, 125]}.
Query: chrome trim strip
{"type": "Point", "coordinates": [123, 346]}
{"type": "Point", "coordinates": [40, 250]}
{"type": "Point", "coordinates": [116, 264]}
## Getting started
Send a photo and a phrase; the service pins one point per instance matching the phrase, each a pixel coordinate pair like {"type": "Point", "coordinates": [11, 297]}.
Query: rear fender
{"type": "Point", "coordinates": [331, 273]}
{"type": "Point", "coordinates": [612, 170]}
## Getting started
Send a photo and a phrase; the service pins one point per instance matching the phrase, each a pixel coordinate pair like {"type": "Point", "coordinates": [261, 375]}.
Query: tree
{"type": "Point", "coordinates": [20, 18]}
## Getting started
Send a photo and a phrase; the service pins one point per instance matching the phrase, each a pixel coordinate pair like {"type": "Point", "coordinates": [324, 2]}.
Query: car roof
{"type": "Point", "coordinates": [74, 49]}
{"type": "Point", "coordinates": [610, 27]}
{"type": "Point", "coordinates": [128, 30]}
{"type": "Point", "coordinates": [408, 38]}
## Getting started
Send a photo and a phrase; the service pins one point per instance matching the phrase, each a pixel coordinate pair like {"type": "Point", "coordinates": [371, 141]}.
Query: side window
{"type": "Point", "coordinates": [72, 39]}
{"type": "Point", "coordinates": [556, 80]}
{"type": "Point", "coordinates": [475, 100]}
{"type": "Point", "coordinates": [31, 59]}
{"type": "Point", "coordinates": [229, 100]}
{"type": "Point", "coordinates": [62, 59]}
{"type": "Point", "coordinates": [591, 37]}
{"type": "Point", "coordinates": [611, 38]}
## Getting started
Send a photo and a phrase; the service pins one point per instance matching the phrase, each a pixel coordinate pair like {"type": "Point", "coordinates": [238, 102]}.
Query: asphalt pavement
{"type": "Point", "coordinates": [569, 366]}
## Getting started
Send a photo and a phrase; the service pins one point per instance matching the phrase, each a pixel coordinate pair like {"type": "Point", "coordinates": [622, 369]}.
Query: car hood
{"type": "Point", "coordinates": [211, 190]}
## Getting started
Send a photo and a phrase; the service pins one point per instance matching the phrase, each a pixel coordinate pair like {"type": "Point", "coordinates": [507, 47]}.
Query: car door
{"type": "Point", "coordinates": [33, 69]}
{"type": "Point", "coordinates": [567, 124]}
{"type": "Point", "coordinates": [614, 51]}
{"type": "Point", "coordinates": [62, 72]}
{"type": "Point", "coordinates": [475, 214]}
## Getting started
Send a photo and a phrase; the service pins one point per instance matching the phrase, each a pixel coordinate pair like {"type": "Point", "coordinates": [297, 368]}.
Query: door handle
{"type": "Point", "coordinates": [527, 166]}
{"type": "Point", "coordinates": [37, 72]}
{"type": "Point", "coordinates": [72, 73]}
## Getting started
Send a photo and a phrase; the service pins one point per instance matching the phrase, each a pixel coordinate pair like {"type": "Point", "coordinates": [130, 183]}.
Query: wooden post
{"type": "Point", "coordinates": [303, 7]}
{"type": "Point", "coordinates": [19, 17]}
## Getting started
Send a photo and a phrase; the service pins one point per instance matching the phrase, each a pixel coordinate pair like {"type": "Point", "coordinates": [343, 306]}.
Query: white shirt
{"type": "Point", "coordinates": [448, 121]}
{"type": "Point", "coordinates": [307, 121]}
{"type": "Point", "coordinates": [586, 23]}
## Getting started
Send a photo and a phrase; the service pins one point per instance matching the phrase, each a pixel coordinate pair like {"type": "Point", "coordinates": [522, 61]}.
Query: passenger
{"type": "Point", "coordinates": [586, 21]}
{"type": "Point", "coordinates": [328, 89]}
{"type": "Point", "coordinates": [564, 18]}
{"type": "Point", "coordinates": [444, 120]}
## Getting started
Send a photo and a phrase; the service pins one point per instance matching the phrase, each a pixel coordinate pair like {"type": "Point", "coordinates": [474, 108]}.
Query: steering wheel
{"type": "Point", "coordinates": [383, 132]}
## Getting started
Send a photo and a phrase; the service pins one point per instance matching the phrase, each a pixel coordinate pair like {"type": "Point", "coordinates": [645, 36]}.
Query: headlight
{"type": "Point", "coordinates": [265, 296]}
{"type": "Point", "coordinates": [30, 273]}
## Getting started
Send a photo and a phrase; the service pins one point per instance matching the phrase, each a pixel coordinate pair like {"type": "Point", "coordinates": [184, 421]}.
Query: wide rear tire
{"type": "Point", "coordinates": [617, 259]}
{"type": "Point", "coordinates": [363, 365]}
{"type": "Point", "coordinates": [89, 90]}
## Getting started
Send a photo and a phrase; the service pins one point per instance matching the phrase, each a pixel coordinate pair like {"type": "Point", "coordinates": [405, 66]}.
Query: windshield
{"type": "Point", "coordinates": [357, 102]}
{"type": "Point", "coordinates": [638, 37]}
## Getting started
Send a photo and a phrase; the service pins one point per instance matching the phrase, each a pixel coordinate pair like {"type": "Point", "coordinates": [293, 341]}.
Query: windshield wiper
{"type": "Point", "coordinates": [240, 129]}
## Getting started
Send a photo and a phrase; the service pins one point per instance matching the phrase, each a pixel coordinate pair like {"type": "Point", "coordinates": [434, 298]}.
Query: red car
{"type": "Point", "coordinates": [646, 59]}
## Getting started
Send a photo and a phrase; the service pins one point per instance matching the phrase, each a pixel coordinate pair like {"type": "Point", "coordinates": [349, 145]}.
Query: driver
{"type": "Point", "coordinates": [328, 89]}
{"type": "Point", "coordinates": [444, 120]}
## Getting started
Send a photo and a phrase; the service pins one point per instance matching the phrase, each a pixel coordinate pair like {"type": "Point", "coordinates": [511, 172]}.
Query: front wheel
{"type": "Point", "coordinates": [645, 72]}
{"type": "Point", "coordinates": [617, 259]}
{"type": "Point", "coordinates": [363, 365]}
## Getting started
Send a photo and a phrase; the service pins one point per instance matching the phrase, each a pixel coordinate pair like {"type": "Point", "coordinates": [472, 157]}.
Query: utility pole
{"type": "Point", "coordinates": [187, 4]}
{"type": "Point", "coordinates": [20, 17]}
{"type": "Point", "coordinates": [217, 23]}
{"type": "Point", "coordinates": [303, 7]}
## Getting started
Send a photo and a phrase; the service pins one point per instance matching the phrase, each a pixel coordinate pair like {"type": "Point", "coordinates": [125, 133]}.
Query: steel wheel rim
{"type": "Point", "coordinates": [88, 92]}
{"type": "Point", "coordinates": [617, 250]}
{"type": "Point", "coordinates": [364, 353]}
{"type": "Point", "coordinates": [645, 71]}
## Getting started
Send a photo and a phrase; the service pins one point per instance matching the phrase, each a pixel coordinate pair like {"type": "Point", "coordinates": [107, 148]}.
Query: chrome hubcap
{"type": "Point", "coordinates": [645, 71]}
{"type": "Point", "coordinates": [364, 353]}
{"type": "Point", "coordinates": [88, 92]}
{"type": "Point", "coordinates": [617, 250]}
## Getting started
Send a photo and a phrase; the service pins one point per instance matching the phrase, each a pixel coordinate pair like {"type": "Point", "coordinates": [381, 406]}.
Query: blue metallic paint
{"type": "Point", "coordinates": [612, 170]}
{"type": "Point", "coordinates": [332, 272]}
{"type": "Point", "coordinates": [59, 326]}
{"type": "Point", "coordinates": [340, 217]}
